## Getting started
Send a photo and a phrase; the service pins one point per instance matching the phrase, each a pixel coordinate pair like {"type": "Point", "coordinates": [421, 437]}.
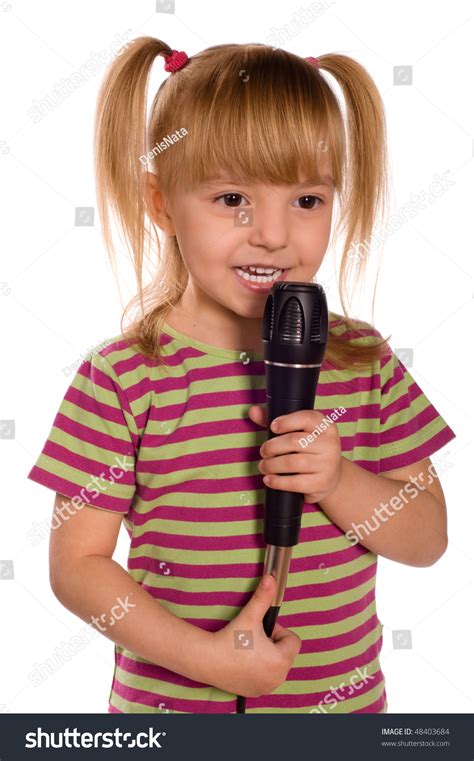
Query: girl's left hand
{"type": "Point", "coordinates": [317, 464]}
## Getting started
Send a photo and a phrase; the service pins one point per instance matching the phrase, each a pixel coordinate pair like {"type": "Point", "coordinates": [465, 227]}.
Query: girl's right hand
{"type": "Point", "coordinates": [252, 664]}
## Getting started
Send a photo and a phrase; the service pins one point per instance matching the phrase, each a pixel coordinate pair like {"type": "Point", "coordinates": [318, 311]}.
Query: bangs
{"type": "Point", "coordinates": [269, 117]}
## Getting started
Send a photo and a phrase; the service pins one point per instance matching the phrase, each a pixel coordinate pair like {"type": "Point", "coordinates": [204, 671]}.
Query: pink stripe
{"type": "Point", "coordinates": [70, 489]}
{"type": "Point", "coordinates": [199, 514]}
{"type": "Point", "coordinates": [375, 707]}
{"type": "Point", "coordinates": [138, 360]}
{"type": "Point", "coordinates": [144, 387]}
{"type": "Point", "coordinates": [155, 699]}
{"type": "Point", "coordinates": [153, 671]}
{"type": "Point", "coordinates": [323, 644]}
{"type": "Point", "coordinates": [199, 460]}
{"type": "Point", "coordinates": [330, 616]}
{"type": "Point", "coordinates": [312, 562]}
{"type": "Point", "coordinates": [85, 402]}
{"type": "Point", "coordinates": [244, 425]}
{"type": "Point", "coordinates": [203, 486]}
{"type": "Point", "coordinates": [313, 699]}
{"type": "Point", "coordinates": [248, 396]}
{"type": "Point", "coordinates": [243, 542]}
{"type": "Point", "coordinates": [418, 453]}
{"type": "Point", "coordinates": [232, 454]}
{"type": "Point", "coordinates": [89, 467]}
{"type": "Point", "coordinates": [402, 431]}
{"type": "Point", "coordinates": [118, 345]}
{"type": "Point", "coordinates": [104, 441]}
{"type": "Point", "coordinates": [312, 618]}
{"type": "Point", "coordinates": [210, 514]}
{"type": "Point", "coordinates": [322, 562]}
{"type": "Point", "coordinates": [399, 372]}
{"type": "Point", "coordinates": [239, 599]}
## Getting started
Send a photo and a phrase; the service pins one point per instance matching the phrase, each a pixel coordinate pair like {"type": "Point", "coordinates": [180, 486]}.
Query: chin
{"type": "Point", "coordinates": [250, 312]}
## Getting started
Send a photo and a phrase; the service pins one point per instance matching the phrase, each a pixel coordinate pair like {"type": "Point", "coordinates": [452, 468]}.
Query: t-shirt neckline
{"type": "Point", "coordinates": [210, 348]}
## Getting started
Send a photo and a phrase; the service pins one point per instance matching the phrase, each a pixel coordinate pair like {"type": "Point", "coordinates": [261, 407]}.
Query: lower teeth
{"type": "Point", "coordinates": [259, 278]}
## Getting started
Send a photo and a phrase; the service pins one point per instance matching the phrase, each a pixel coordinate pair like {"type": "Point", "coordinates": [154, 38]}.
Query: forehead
{"type": "Point", "coordinates": [322, 180]}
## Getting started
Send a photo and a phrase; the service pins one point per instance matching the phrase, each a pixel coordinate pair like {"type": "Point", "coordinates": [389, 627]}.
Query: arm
{"type": "Point", "coordinates": [405, 513]}
{"type": "Point", "coordinates": [89, 583]}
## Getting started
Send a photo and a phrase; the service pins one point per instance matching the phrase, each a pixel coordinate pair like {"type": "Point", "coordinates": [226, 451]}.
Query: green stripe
{"type": "Point", "coordinates": [292, 687]}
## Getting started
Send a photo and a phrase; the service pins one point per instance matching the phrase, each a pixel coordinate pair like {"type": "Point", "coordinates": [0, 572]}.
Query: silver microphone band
{"type": "Point", "coordinates": [286, 364]}
{"type": "Point", "coordinates": [277, 562]}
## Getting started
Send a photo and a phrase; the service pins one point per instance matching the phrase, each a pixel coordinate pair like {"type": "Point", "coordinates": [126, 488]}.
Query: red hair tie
{"type": "Point", "coordinates": [313, 61]}
{"type": "Point", "coordinates": [176, 60]}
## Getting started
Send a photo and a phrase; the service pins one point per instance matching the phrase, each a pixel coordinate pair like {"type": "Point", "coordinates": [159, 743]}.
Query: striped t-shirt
{"type": "Point", "coordinates": [175, 451]}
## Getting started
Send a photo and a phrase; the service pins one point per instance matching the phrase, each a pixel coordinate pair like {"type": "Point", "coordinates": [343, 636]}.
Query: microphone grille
{"type": "Point", "coordinates": [291, 322]}
{"type": "Point", "coordinates": [315, 330]}
{"type": "Point", "coordinates": [268, 317]}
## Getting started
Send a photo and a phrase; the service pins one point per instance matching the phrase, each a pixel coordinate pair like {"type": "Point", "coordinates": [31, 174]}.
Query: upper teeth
{"type": "Point", "coordinates": [259, 274]}
{"type": "Point", "coordinates": [261, 270]}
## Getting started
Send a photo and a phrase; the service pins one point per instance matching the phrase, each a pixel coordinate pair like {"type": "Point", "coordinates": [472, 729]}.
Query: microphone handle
{"type": "Point", "coordinates": [283, 509]}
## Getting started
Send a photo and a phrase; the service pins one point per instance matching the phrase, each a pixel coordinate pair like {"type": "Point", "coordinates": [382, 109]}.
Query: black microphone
{"type": "Point", "coordinates": [294, 335]}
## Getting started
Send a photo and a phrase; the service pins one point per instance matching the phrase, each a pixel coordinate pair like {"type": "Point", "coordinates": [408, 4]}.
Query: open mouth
{"type": "Point", "coordinates": [259, 275]}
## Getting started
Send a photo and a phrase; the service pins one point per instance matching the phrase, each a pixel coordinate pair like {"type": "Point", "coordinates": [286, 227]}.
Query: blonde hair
{"type": "Point", "coordinates": [263, 130]}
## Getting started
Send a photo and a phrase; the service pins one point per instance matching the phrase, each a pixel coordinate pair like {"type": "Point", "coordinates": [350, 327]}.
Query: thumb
{"type": "Point", "coordinates": [261, 599]}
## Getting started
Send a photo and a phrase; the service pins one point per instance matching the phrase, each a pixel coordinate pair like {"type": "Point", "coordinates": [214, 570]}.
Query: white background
{"type": "Point", "coordinates": [59, 298]}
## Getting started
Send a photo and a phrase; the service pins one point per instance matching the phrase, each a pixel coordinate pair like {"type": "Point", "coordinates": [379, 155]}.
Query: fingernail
{"type": "Point", "coordinates": [274, 425]}
{"type": "Point", "coordinates": [266, 581]}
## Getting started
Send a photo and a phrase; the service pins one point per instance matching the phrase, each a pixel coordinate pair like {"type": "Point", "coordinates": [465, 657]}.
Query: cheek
{"type": "Point", "coordinates": [208, 247]}
{"type": "Point", "coordinates": [313, 242]}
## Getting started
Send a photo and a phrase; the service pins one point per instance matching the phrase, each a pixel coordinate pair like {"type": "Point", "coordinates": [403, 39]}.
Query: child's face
{"type": "Point", "coordinates": [227, 224]}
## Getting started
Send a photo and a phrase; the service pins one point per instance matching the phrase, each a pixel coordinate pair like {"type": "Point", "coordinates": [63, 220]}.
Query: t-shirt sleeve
{"type": "Point", "coordinates": [411, 429]}
{"type": "Point", "coordinates": [89, 455]}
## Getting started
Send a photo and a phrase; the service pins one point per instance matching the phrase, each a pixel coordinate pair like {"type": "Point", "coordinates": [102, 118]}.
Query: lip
{"type": "Point", "coordinates": [259, 287]}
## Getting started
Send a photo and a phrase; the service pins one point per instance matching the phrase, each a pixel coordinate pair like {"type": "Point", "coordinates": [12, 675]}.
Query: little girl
{"type": "Point", "coordinates": [164, 428]}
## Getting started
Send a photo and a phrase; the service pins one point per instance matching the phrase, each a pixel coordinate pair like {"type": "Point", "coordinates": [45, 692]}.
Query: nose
{"type": "Point", "coordinates": [268, 227]}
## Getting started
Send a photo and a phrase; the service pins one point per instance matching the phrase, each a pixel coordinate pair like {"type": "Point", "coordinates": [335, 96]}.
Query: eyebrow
{"type": "Point", "coordinates": [324, 180]}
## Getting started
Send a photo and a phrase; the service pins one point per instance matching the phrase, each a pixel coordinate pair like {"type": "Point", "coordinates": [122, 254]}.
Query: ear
{"type": "Point", "coordinates": [156, 205]}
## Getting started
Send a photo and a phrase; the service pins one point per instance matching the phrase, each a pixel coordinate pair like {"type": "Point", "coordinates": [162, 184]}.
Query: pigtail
{"type": "Point", "coordinates": [365, 194]}
{"type": "Point", "coordinates": [120, 138]}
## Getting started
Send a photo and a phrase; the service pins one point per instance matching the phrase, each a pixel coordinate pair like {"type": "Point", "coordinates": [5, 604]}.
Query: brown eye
{"type": "Point", "coordinates": [309, 202]}
{"type": "Point", "coordinates": [233, 197]}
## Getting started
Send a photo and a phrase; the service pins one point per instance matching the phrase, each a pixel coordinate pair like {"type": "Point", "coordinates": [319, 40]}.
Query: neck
{"type": "Point", "coordinates": [199, 317]}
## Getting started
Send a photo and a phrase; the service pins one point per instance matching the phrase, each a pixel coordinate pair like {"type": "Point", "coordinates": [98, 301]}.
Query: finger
{"type": "Point", "coordinates": [277, 629]}
{"type": "Point", "coordinates": [303, 483]}
{"type": "Point", "coordinates": [288, 642]}
{"type": "Point", "coordinates": [258, 414]}
{"type": "Point", "coordinates": [287, 442]}
{"type": "Point", "coordinates": [308, 464]}
{"type": "Point", "coordinates": [301, 420]}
